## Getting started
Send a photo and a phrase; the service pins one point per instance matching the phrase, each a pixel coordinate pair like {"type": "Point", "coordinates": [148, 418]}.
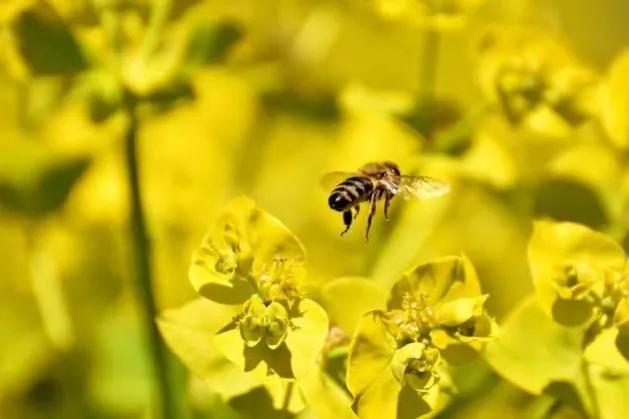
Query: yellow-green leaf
{"type": "Point", "coordinates": [189, 332]}
{"type": "Point", "coordinates": [614, 100]}
{"type": "Point", "coordinates": [306, 338]}
{"type": "Point", "coordinates": [35, 182]}
{"type": "Point", "coordinates": [370, 353]}
{"type": "Point", "coordinates": [347, 299]}
{"type": "Point", "coordinates": [379, 399]}
{"type": "Point", "coordinates": [532, 351]}
{"type": "Point", "coordinates": [384, 398]}
{"type": "Point", "coordinates": [604, 351]}
{"type": "Point", "coordinates": [324, 396]}
{"type": "Point", "coordinates": [622, 342]}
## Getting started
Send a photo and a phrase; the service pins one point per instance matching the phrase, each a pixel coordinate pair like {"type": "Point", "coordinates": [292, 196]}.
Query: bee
{"type": "Point", "coordinates": [378, 181]}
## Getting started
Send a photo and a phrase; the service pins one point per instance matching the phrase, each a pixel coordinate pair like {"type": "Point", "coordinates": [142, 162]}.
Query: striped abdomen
{"type": "Point", "coordinates": [350, 192]}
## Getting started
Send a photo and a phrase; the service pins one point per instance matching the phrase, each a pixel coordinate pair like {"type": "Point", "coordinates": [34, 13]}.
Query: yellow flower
{"type": "Point", "coordinates": [415, 365]}
{"type": "Point", "coordinates": [580, 278]}
{"type": "Point", "coordinates": [263, 322]}
{"type": "Point", "coordinates": [251, 263]}
{"type": "Point", "coordinates": [248, 251]}
{"type": "Point", "coordinates": [435, 312]}
{"type": "Point", "coordinates": [536, 81]}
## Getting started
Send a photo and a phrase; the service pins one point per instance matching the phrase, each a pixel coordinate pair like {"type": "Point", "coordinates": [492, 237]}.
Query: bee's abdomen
{"type": "Point", "coordinates": [349, 192]}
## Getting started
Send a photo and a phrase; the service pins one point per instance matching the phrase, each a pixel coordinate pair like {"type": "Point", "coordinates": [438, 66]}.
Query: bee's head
{"type": "Point", "coordinates": [390, 170]}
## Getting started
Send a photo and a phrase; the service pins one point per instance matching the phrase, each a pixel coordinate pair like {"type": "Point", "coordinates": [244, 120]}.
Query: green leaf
{"type": "Point", "coordinates": [181, 7]}
{"type": "Point", "coordinates": [379, 400]}
{"type": "Point", "coordinates": [320, 106]}
{"type": "Point", "coordinates": [386, 399]}
{"type": "Point", "coordinates": [370, 353]}
{"type": "Point", "coordinates": [307, 337]}
{"type": "Point", "coordinates": [434, 116]}
{"type": "Point", "coordinates": [612, 393]}
{"type": "Point", "coordinates": [258, 403]}
{"type": "Point", "coordinates": [189, 332]}
{"type": "Point", "coordinates": [324, 397]}
{"type": "Point", "coordinates": [604, 351]}
{"type": "Point", "coordinates": [621, 316]}
{"type": "Point", "coordinates": [347, 299]}
{"type": "Point", "coordinates": [622, 342]}
{"type": "Point", "coordinates": [614, 99]}
{"type": "Point", "coordinates": [166, 97]}
{"type": "Point", "coordinates": [210, 42]}
{"type": "Point", "coordinates": [35, 183]}
{"type": "Point", "coordinates": [570, 200]}
{"type": "Point", "coordinates": [532, 351]}
{"type": "Point", "coordinates": [46, 44]}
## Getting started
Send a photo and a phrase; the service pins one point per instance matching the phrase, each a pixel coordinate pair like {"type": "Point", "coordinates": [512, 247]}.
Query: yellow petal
{"type": "Point", "coordinates": [370, 353]}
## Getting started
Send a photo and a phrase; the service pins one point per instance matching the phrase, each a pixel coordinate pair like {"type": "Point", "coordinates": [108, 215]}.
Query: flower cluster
{"type": "Point", "coordinates": [251, 267]}
{"type": "Point", "coordinates": [581, 279]}
{"type": "Point", "coordinates": [251, 258]}
{"type": "Point", "coordinates": [535, 81]}
{"type": "Point", "coordinates": [435, 315]}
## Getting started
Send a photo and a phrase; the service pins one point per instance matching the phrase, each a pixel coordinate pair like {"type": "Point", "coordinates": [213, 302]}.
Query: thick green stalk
{"type": "Point", "coordinates": [591, 390]}
{"type": "Point", "coordinates": [287, 396]}
{"type": "Point", "coordinates": [429, 66]}
{"type": "Point", "coordinates": [426, 101]}
{"type": "Point", "coordinates": [166, 402]}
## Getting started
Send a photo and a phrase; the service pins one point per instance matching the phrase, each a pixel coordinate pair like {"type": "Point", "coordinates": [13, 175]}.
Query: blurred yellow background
{"type": "Point", "coordinates": [263, 97]}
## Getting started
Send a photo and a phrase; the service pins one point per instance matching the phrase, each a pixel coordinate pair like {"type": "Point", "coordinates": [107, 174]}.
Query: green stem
{"type": "Point", "coordinates": [426, 101]}
{"type": "Point", "coordinates": [142, 255]}
{"type": "Point", "coordinates": [288, 395]}
{"type": "Point", "coordinates": [591, 390]}
{"type": "Point", "coordinates": [159, 16]}
{"type": "Point", "coordinates": [428, 82]}
{"type": "Point", "coordinates": [429, 65]}
{"type": "Point", "coordinates": [49, 293]}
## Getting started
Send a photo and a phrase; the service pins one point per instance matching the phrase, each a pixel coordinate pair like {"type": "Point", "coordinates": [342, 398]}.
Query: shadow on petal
{"type": "Point", "coordinates": [410, 404]}
{"type": "Point", "coordinates": [236, 292]}
{"type": "Point", "coordinates": [278, 360]}
{"type": "Point", "coordinates": [258, 404]}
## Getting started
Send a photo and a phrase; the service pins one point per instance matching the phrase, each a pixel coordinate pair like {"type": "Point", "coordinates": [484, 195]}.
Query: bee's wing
{"type": "Point", "coordinates": [331, 179]}
{"type": "Point", "coordinates": [423, 187]}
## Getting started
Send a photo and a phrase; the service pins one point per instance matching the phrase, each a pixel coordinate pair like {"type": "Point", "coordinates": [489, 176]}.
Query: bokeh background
{"type": "Point", "coordinates": [263, 97]}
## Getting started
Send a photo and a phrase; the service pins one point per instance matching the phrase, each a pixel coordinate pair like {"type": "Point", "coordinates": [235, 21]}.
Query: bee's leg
{"type": "Point", "coordinates": [347, 219]}
{"type": "Point", "coordinates": [372, 212]}
{"type": "Point", "coordinates": [388, 196]}
{"type": "Point", "coordinates": [357, 208]}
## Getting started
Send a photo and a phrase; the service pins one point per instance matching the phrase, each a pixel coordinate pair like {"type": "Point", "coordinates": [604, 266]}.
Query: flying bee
{"type": "Point", "coordinates": [378, 181]}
